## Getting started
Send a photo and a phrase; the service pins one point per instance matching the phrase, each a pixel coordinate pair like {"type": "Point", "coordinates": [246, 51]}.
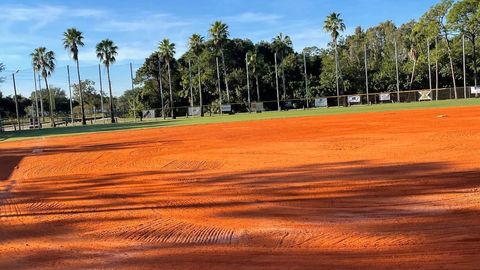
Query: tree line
{"type": "Point", "coordinates": [426, 54]}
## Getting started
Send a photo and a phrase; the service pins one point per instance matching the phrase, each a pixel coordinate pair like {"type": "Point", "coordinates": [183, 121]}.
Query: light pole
{"type": "Point", "coordinates": [436, 68]}
{"type": "Point", "coordinates": [366, 75]}
{"type": "Point", "coordinates": [464, 69]}
{"type": "Point", "coordinates": [190, 82]}
{"type": "Point", "coordinates": [70, 90]}
{"type": "Point", "coordinates": [276, 80]}
{"type": "Point", "coordinates": [248, 84]}
{"type": "Point", "coordinates": [397, 72]}
{"type": "Point", "coordinates": [36, 98]}
{"type": "Point", "coordinates": [16, 100]}
{"type": "Point", "coordinates": [429, 66]}
{"type": "Point", "coordinates": [160, 85]}
{"type": "Point", "coordinates": [307, 96]}
{"type": "Point", "coordinates": [101, 91]}
{"type": "Point", "coordinates": [135, 96]}
{"type": "Point", "coordinates": [219, 87]}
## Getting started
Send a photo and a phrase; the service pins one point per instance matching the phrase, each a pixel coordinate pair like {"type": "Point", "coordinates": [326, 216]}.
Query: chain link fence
{"type": "Point", "coordinates": [67, 110]}
{"type": "Point", "coordinates": [214, 109]}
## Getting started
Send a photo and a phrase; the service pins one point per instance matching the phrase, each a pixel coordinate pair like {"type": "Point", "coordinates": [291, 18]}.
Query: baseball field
{"type": "Point", "coordinates": [392, 189]}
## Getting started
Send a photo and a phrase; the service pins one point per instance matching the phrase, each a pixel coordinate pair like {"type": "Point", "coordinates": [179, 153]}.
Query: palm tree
{"type": "Point", "coordinates": [253, 62]}
{"type": "Point", "coordinates": [219, 34]}
{"type": "Point", "coordinates": [280, 44]}
{"type": "Point", "coordinates": [106, 52]}
{"type": "Point", "coordinates": [334, 25]}
{"type": "Point", "coordinates": [167, 52]}
{"type": "Point", "coordinates": [72, 40]}
{"type": "Point", "coordinates": [196, 46]}
{"type": "Point", "coordinates": [44, 63]}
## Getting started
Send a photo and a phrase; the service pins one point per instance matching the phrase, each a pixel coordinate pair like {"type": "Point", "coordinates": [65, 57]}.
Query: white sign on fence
{"type": "Point", "coordinates": [321, 102]}
{"type": "Point", "coordinates": [425, 95]}
{"type": "Point", "coordinates": [475, 90]}
{"type": "Point", "coordinates": [384, 96]}
{"type": "Point", "coordinates": [354, 99]}
{"type": "Point", "coordinates": [194, 111]}
{"type": "Point", "coordinates": [226, 108]}
{"type": "Point", "coordinates": [148, 114]}
{"type": "Point", "coordinates": [257, 107]}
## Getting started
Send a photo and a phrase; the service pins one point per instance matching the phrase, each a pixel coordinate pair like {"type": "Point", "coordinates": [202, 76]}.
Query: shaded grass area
{"type": "Point", "coordinates": [78, 130]}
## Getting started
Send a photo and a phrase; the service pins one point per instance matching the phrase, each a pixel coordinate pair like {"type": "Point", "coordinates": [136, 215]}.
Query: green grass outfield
{"type": "Point", "coordinates": [77, 130]}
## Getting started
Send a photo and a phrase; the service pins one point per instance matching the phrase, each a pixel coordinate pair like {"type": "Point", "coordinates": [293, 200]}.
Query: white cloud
{"type": "Point", "coordinates": [252, 17]}
{"type": "Point", "coordinates": [153, 22]}
{"type": "Point", "coordinates": [38, 17]}
{"type": "Point", "coordinates": [132, 53]}
{"type": "Point", "coordinates": [310, 36]}
{"type": "Point", "coordinates": [88, 13]}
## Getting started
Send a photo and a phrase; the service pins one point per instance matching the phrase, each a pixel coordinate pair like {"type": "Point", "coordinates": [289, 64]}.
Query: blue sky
{"type": "Point", "coordinates": [138, 26]}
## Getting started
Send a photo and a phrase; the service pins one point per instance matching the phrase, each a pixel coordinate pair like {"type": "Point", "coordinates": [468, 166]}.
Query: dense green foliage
{"type": "Point", "coordinates": [216, 63]}
{"type": "Point", "coordinates": [438, 31]}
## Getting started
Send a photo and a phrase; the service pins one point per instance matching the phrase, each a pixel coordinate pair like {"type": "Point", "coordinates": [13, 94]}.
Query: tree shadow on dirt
{"type": "Point", "coordinates": [357, 185]}
{"type": "Point", "coordinates": [431, 204]}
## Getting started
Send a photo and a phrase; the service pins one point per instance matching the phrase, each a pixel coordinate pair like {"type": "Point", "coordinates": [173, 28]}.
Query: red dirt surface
{"type": "Point", "coordinates": [396, 190]}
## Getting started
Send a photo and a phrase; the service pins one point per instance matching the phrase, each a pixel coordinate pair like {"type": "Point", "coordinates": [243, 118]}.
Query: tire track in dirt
{"type": "Point", "coordinates": [315, 240]}
{"type": "Point", "coordinates": [45, 206]}
{"type": "Point", "coordinates": [9, 208]}
{"type": "Point", "coordinates": [193, 165]}
{"type": "Point", "coordinates": [291, 239]}
{"type": "Point", "coordinates": [171, 232]}
{"type": "Point", "coordinates": [447, 202]}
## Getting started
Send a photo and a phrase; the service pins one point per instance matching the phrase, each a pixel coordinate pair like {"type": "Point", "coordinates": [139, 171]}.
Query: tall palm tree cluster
{"type": "Point", "coordinates": [43, 62]}
{"type": "Point", "coordinates": [218, 70]}
{"type": "Point", "coordinates": [221, 79]}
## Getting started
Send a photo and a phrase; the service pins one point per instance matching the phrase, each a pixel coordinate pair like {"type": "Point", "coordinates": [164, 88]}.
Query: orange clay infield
{"type": "Point", "coordinates": [394, 190]}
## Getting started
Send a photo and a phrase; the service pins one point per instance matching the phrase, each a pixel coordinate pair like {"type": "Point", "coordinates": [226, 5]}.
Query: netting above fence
{"type": "Point", "coordinates": [119, 73]}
